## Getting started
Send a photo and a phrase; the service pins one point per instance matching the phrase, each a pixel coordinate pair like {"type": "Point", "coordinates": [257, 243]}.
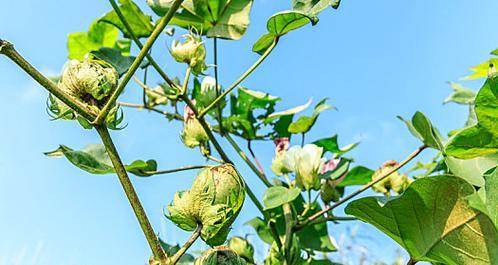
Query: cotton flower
{"type": "Point", "coordinates": [306, 162]}
{"type": "Point", "coordinates": [190, 50]}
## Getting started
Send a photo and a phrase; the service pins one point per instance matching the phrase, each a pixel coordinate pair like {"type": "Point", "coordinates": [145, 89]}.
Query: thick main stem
{"type": "Point", "coordinates": [362, 189]}
{"type": "Point", "coordinates": [138, 60]}
{"type": "Point", "coordinates": [7, 49]}
{"type": "Point", "coordinates": [132, 196]}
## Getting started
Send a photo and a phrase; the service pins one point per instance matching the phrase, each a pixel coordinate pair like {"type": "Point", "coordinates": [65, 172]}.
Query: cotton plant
{"type": "Point", "coordinates": [308, 180]}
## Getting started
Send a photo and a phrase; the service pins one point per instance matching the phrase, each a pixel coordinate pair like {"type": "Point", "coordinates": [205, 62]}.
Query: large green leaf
{"type": "Point", "coordinates": [473, 169]}
{"type": "Point", "coordinates": [140, 23]}
{"type": "Point", "coordinates": [482, 138]}
{"type": "Point", "coordinates": [486, 199]}
{"type": "Point", "coordinates": [277, 196]}
{"type": "Point", "coordinates": [98, 35]}
{"type": "Point", "coordinates": [433, 222]}
{"type": "Point", "coordinates": [213, 18]}
{"type": "Point", "coordinates": [94, 159]}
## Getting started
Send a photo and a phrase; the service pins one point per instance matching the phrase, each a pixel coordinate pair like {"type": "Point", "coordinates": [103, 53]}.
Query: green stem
{"type": "Point", "coordinates": [185, 80]}
{"type": "Point", "coordinates": [362, 189]}
{"type": "Point", "coordinates": [260, 168]}
{"type": "Point", "coordinates": [7, 49]}
{"type": "Point", "coordinates": [132, 196]}
{"type": "Point", "coordinates": [289, 224]}
{"type": "Point", "coordinates": [411, 262]}
{"type": "Point", "coordinates": [218, 87]}
{"type": "Point", "coordinates": [168, 171]}
{"type": "Point", "coordinates": [138, 60]}
{"type": "Point", "coordinates": [333, 219]}
{"type": "Point", "coordinates": [241, 78]}
{"type": "Point", "coordinates": [178, 255]}
{"type": "Point", "coordinates": [140, 45]}
{"type": "Point", "coordinates": [246, 159]}
{"type": "Point", "coordinates": [273, 227]}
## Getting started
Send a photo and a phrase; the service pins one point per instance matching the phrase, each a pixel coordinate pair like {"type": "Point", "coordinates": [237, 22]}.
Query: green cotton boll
{"type": "Point", "coordinates": [213, 201]}
{"type": "Point", "coordinates": [190, 50]}
{"type": "Point", "coordinates": [242, 247]}
{"type": "Point", "coordinates": [306, 162]}
{"type": "Point", "coordinates": [155, 97]}
{"type": "Point", "coordinates": [221, 255]}
{"type": "Point", "coordinates": [89, 77]}
{"type": "Point", "coordinates": [395, 182]}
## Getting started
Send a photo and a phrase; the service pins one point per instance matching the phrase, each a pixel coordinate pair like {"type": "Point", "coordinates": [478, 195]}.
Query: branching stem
{"type": "Point", "coordinates": [362, 189]}
{"type": "Point", "coordinates": [168, 171]}
{"type": "Point", "coordinates": [138, 60]}
{"type": "Point", "coordinates": [241, 78]}
{"type": "Point", "coordinates": [7, 49]}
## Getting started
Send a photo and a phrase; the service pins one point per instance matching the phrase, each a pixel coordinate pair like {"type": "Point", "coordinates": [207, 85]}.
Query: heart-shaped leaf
{"type": "Point", "coordinates": [278, 196]}
{"type": "Point", "coordinates": [473, 169]}
{"type": "Point", "coordinates": [433, 222]}
{"type": "Point", "coordinates": [421, 127]}
{"type": "Point", "coordinates": [95, 160]}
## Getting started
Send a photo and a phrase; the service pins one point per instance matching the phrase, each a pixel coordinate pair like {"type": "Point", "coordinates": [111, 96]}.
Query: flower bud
{"type": "Point", "coordinates": [89, 79]}
{"type": "Point", "coordinates": [190, 51]}
{"type": "Point", "coordinates": [213, 201]}
{"type": "Point", "coordinates": [306, 162]}
{"type": "Point", "coordinates": [242, 247]}
{"type": "Point", "coordinates": [329, 192]}
{"type": "Point", "coordinates": [219, 256]}
{"type": "Point", "coordinates": [155, 96]}
{"type": "Point", "coordinates": [193, 132]}
{"type": "Point", "coordinates": [277, 165]}
{"type": "Point", "coordinates": [396, 182]}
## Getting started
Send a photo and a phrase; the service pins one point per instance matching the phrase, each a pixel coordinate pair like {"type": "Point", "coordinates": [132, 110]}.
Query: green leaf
{"type": "Point", "coordinates": [486, 199]}
{"type": "Point", "coordinates": [261, 229]}
{"type": "Point", "coordinates": [214, 18]}
{"type": "Point", "coordinates": [140, 23]}
{"type": "Point", "coordinates": [460, 95]}
{"type": "Point", "coordinates": [481, 70]}
{"type": "Point", "coordinates": [98, 35]}
{"type": "Point", "coordinates": [263, 43]}
{"type": "Point", "coordinates": [421, 127]}
{"type": "Point", "coordinates": [314, 7]}
{"type": "Point", "coordinates": [304, 123]}
{"type": "Point", "coordinates": [330, 144]}
{"type": "Point", "coordinates": [495, 52]}
{"type": "Point", "coordinates": [482, 138]}
{"type": "Point", "coordinates": [433, 222]}
{"type": "Point", "coordinates": [358, 175]}
{"type": "Point", "coordinates": [288, 112]}
{"type": "Point", "coordinates": [473, 169]}
{"type": "Point", "coordinates": [278, 196]}
{"type": "Point", "coordinates": [282, 22]}
{"type": "Point", "coordinates": [116, 59]}
{"type": "Point", "coordinates": [94, 159]}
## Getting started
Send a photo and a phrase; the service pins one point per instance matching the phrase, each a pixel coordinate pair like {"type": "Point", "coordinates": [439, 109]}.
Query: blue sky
{"type": "Point", "coordinates": [373, 59]}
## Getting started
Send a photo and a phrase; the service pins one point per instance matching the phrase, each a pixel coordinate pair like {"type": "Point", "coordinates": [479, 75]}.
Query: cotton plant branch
{"type": "Point", "coordinates": [7, 49]}
{"type": "Point", "coordinates": [169, 171]}
{"type": "Point", "coordinates": [218, 88]}
{"type": "Point", "coordinates": [246, 159]}
{"type": "Point", "coordinates": [195, 235]}
{"type": "Point", "coordinates": [289, 224]}
{"type": "Point", "coordinates": [138, 60]}
{"type": "Point", "coordinates": [260, 168]}
{"type": "Point", "coordinates": [241, 78]}
{"type": "Point", "coordinates": [131, 194]}
{"type": "Point", "coordinates": [362, 189]}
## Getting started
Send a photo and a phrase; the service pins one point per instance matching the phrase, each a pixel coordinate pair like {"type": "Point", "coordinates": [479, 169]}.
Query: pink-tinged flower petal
{"type": "Point", "coordinates": [188, 113]}
{"type": "Point", "coordinates": [330, 165]}
{"type": "Point", "coordinates": [281, 144]}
